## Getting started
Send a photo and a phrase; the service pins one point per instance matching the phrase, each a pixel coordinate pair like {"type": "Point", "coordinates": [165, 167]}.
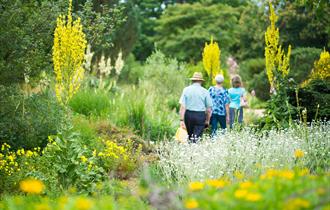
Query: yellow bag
{"type": "Point", "coordinates": [181, 135]}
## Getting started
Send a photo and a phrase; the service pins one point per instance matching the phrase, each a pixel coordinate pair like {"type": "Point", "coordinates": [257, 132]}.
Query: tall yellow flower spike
{"type": "Point", "coordinates": [276, 60]}
{"type": "Point", "coordinates": [211, 59]}
{"type": "Point", "coordinates": [68, 56]}
{"type": "Point", "coordinates": [321, 69]}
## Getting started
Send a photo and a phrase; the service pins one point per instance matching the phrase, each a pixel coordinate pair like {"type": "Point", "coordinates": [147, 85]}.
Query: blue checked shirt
{"type": "Point", "coordinates": [220, 99]}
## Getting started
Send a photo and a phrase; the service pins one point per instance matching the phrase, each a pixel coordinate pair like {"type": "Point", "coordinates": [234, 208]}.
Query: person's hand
{"type": "Point", "coordinates": [227, 118]}
{"type": "Point", "coordinates": [182, 125]}
{"type": "Point", "coordinates": [207, 124]}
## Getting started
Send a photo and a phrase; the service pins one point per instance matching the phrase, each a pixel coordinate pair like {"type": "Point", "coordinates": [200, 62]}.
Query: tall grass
{"type": "Point", "coordinates": [91, 102]}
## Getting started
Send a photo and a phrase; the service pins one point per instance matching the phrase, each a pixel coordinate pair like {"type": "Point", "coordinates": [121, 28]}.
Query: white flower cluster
{"type": "Point", "coordinates": [245, 151]}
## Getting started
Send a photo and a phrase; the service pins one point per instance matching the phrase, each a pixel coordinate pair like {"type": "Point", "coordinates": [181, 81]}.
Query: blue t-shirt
{"type": "Point", "coordinates": [235, 95]}
{"type": "Point", "coordinates": [220, 99]}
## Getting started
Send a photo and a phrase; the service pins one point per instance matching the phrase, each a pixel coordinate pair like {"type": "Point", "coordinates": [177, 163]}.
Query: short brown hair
{"type": "Point", "coordinates": [236, 81]}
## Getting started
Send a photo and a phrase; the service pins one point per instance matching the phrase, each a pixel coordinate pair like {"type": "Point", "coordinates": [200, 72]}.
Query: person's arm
{"type": "Point", "coordinates": [227, 113]}
{"type": "Point", "coordinates": [182, 112]}
{"type": "Point", "coordinates": [244, 95]}
{"type": "Point", "coordinates": [208, 116]}
{"type": "Point", "coordinates": [208, 111]}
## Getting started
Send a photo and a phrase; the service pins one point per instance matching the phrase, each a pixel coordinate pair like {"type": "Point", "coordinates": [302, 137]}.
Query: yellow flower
{"type": "Point", "coordinates": [246, 185]}
{"type": "Point", "coordinates": [287, 174]}
{"type": "Point", "coordinates": [240, 193]}
{"type": "Point", "coordinates": [195, 186]}
{"type": "Point", "coordinates": [321, 191]}
{"type": "Point", "coordinates": [238, 175]}
{"type": "Point", "coordinates": [191, 204]}
{"type": "Point", "coordinates": [83, 159]}
{"type": "Point", "coordinates": [296, 204]}
{"type": "Point", "coordinates": [29, 153]}
{"type": "Point", "coordinates": [299, 153]}
{"type": "Point", "coordinates": [270, 173]}
{"type": "Point", "coordinates": [62, 201]}
{"type": "Point", "coordinates": [303, 172]}
{"type": "Point", "coordinates": [216, 183]}
{"type": "Point", "coordinates": [83, 204]}
{"type": "Point", "coordinates": [32, 186]}
{"type": "Point", "coordinates": [68, 55]}
{"type": "Point", "coordinates": [276, 60]}
{"type": "Point", "coordinates": [253, 197]}
{"type": "Point", "coordinates": [42, 206]}
{"type": "Point", "coordinates": [211, 59]}
{"type": "Point", "coordinates": [321, 68]}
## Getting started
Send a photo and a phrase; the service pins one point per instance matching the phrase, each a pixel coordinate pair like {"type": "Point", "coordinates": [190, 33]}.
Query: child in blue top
{"type": "Point", "coordinates": [235, 95]}
{"type": "Point", "coordinates": [220, 101]}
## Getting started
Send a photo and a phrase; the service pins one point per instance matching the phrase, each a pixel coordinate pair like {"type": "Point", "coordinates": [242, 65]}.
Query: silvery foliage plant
{"type": "Point", "coordinates": [246, 152]}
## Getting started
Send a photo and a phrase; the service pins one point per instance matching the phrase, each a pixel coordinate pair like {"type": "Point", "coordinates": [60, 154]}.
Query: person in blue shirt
{"type": "Point", "coordinates": [220, 101]}
{"type": "Point", "coordinates": [236, 94]}
{"type": "Point", "coordinates": [196, 108]}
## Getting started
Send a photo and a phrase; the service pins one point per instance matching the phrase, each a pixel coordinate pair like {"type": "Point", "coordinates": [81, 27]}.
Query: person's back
{"type": "Point", "coordinates": [195, 110]}
{"type": "Point", "coordinates": [220, 101]}
{"type": "Point", "coordinates": [235, 94]}
{"type": "Point", "coordinates": [196, 95]}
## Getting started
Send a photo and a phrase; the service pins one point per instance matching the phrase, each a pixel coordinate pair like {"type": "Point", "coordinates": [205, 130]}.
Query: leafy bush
{"type": "Point", "coordinates": [27, 120]}
{"type": "Point", "coordinates": [163, 76]}
{"type": "Point", "coordinates": [315, 97]}
{"type": "Point", "coordinates": [90, 102]}
{"type": "Point", "coordinates": [66, 162]}
{"type": "Point", "coordinates": [254, 76]}
{"type": "Point", "coordinates": [301, 62]}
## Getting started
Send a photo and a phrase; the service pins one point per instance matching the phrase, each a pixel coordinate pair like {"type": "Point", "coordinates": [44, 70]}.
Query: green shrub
{"type": "Point", "coordinates": [132, 72]}
{"type": "Point", "coordinates": [315, 97]}
{"type": "Point", "coordinates": [250, 67]}
{"type": "Point", "coordinates": [89, 102]}
{"type": "Point", "coordinates": [27, 121]}
{"type": "Point", "coordinates": [302, 61]}
{"type": "Point", "coordinates": [68, 162]}
{"type": "Point", "coordinates": [254, 77]}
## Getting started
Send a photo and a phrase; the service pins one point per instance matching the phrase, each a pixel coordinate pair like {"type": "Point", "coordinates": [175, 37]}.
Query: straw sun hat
{"type": "Point", "coordinates": [197, 77]}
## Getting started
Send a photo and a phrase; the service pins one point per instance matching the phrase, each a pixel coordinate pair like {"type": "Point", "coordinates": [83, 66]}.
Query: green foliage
{"type": "Point", "coordinates": [149, 12]}
{"type": "Point", "coordinates": [303, 26]}
{"type": "Point", "coordinates": [74, 202]}
{"type": "Point", "coordinates": [292, 190]}
{"type": "Point", "coordinates": [253, 72]}
{"type": "Point", "coordinates": [27, 120]}
{"type": "Point", "coordinates": [252, 24]}
{"type": "Point", "coordinates": [90, 102]}
{"type": "Point", "coordinates": [163, 76]}
{"type": "Point", "coordinates": [100, 20]}
{"type": "Point", "coordinates": [70, 162]}
{"type": "Point", "coordinates": [301, 62]}
{"type": "Point", "coordinates": [315, 98]}
{"type": "Point", "coordinates": [184, 28]}
{"type": "Point", "coordinates": [26, 38]}
{"type": "Point", "coordinates": [132, 72]}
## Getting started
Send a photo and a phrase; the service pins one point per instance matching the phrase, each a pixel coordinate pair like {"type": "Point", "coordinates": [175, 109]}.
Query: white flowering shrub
{"type": "Point", "coordinates": [246, 152]}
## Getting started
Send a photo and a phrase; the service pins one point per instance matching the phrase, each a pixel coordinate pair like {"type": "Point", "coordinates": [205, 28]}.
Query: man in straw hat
{"type": "Point", "coordinates": [195, 111]}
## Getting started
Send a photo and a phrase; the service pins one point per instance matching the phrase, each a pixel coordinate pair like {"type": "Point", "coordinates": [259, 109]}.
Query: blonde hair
{"type": "Point", "coordinates": [236, 81]}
